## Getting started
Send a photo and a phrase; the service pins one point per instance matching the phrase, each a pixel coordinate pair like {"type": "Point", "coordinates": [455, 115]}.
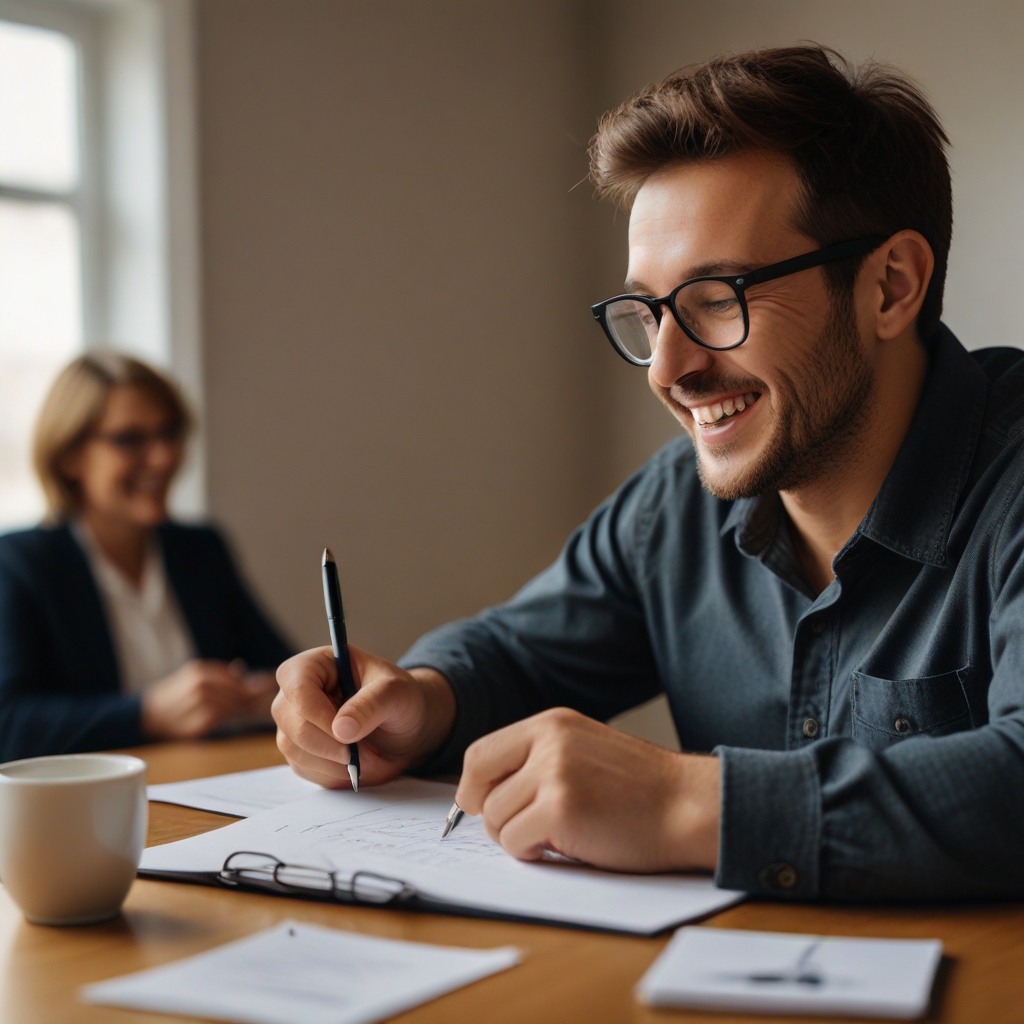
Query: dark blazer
{"type": "Point", "coordinates": [60, 687]}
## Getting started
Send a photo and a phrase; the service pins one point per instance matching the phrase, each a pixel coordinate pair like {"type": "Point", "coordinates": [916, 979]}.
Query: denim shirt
{"type": "Point", "coordinates": [871, 737]}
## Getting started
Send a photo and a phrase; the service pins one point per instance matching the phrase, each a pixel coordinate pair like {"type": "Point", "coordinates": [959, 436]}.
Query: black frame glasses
{"type": "Point", "coordinates": [739, 283]}
{"type": "Point", "coordinates": [249, 869]}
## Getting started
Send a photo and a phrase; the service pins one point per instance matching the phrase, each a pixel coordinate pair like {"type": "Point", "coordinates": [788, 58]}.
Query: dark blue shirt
{"type": "Point", "coordinates": [871, 737]}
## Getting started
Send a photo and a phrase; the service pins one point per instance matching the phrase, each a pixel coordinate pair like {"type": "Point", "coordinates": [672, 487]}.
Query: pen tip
{"type": "Point", "coordinates": [353, 774]}
{"type": "Point", "coordinates": [328, 557]}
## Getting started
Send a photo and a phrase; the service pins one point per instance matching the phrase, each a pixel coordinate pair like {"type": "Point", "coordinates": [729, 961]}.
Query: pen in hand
{"type": "Point", "coordinates": [454, 817]}
{"type": "Point", "coordinates": [339, 641]}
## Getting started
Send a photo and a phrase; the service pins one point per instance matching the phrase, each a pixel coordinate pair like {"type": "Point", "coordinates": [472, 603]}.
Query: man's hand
{"type": "Point", "coordinates": [194, 700]}
{"type": "Point", "coordinates": [398, 717]}
{"type": "Point", "coordinates": [560, 781]}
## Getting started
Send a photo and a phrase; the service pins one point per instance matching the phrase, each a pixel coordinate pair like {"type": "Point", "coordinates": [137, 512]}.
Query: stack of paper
{"type": "Point", "coordinates": [771, 972]}
{"type": "Point", "coordinates": [395, 831]}
{"type": "Point", "coordinates": [301, 972]}
{"type": "Point", "coordinates": [240, 793]}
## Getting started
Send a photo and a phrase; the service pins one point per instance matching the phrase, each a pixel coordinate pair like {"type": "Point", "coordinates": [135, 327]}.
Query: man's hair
{"type": "Point", "coordinates": [73, 407]}
{"type": "Point", "coordinates": [867, 145]}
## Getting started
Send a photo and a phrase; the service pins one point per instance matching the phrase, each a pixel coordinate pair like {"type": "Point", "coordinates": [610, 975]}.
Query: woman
{"type": "Point", "coordinates": [116, 625]}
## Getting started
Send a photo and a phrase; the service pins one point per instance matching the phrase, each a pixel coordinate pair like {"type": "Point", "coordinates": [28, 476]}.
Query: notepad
{"type": "Point", "coordinates": [773, 972]}
{"type": "Point", "coordinates": [394, 831]}
{"type": "Point", "coordinates": [302, 972]}
{"type": "Point", "coordinates": [240, 793]}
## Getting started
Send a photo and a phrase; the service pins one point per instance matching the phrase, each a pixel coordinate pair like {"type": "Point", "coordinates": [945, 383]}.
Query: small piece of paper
{"type": "Point", "coordinates": [774, 972]}
{"type": "Point", "coordinates": [240, 793]}
{"type": "Point", "coordinates": [302, 972]}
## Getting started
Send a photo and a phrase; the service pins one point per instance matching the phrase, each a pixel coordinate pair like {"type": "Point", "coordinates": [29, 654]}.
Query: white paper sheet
{"type": "Point", "coordinates": [302, 972]}
{"type": "Point", "coordinates": [395, 830]}
{"type": "Point", "coordinates": [240, 793]}
{"type": "Point", "coordinates": [773, 972]}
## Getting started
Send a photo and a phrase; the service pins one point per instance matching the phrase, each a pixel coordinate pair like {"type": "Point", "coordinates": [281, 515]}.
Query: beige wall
{"type": "Point", "coordinates": [399, 358]}
{"type": "Point", "coordinates": [400, 362]}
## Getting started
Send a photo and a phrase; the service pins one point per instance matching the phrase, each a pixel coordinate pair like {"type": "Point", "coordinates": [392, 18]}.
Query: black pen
{"type": "Point", "coordinates": [339, 641]}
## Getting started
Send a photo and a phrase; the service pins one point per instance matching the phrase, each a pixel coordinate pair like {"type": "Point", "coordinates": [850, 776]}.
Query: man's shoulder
{"type": "Point", "coordinates": [1004, 368]}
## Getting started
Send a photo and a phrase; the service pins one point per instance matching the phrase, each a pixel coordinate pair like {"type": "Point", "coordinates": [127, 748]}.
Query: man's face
{"type": "Point", "coordinates": [787, 405]}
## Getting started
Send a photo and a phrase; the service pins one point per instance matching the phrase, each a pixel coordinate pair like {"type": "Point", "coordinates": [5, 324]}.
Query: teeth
{"type": "Point", "coordinates": [706, 415]}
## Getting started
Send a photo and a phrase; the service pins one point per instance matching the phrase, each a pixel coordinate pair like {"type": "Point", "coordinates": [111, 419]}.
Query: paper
{"type": "Point", "coordinates": [240, 793]}
{"type": "Point", "coordinates": [395, 830]}
{"type": "Point", "coordinates": [302, 972]}
{"type": "Point", "coordinates": [772, 972]}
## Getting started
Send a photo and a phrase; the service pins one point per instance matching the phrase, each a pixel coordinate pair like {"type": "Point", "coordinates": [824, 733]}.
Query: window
{"type": "Point", "coordinates": [98, 218]}
{"type": "Point", "coordinates": [41, 190]}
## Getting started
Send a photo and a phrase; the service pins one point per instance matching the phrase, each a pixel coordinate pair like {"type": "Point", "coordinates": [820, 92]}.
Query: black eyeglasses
{"type": "Point", "coordinates": [249, 870]}
{"type": "Point", "coordinates": [136, 443]}
{"type": "Point", "coordinates": [711, 310]}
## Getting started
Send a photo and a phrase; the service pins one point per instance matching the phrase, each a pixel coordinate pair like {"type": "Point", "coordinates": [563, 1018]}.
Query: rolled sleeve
{"type": "Point", "coordinates": [770, 829]}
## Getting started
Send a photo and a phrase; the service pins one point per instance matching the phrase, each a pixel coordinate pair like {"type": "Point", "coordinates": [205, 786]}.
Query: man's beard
{"type": "Point", "coordinates": [819, 414]}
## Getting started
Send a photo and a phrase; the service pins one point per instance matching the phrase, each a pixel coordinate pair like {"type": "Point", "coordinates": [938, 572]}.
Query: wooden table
{"type": "Point", "coordinates": [566, 976]}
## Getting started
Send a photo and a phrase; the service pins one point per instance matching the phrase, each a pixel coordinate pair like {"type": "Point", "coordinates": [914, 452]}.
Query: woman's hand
{"type": "Point", "coordinates": [197, 698]}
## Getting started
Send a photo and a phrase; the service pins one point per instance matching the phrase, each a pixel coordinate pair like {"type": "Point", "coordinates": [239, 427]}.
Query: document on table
{"type": "Point", "coordinates": [772, 972]}
{"type": "Point", "coordinates": [240, 793]}
{"type": "Point", "coordinates": [302, 972]}
{"type": "Point", "coordinates": [395, 831]}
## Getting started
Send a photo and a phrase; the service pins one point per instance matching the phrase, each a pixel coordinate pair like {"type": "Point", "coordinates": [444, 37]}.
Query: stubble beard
{"type": "Point", "coordinates": [820, 415]}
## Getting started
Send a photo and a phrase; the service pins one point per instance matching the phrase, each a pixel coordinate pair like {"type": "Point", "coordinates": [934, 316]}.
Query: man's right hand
{"type": "Point", "coordinates": [398, 718]}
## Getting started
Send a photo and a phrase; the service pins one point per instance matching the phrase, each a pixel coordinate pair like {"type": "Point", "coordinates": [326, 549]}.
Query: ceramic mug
{"type": "Point", "coordinates": [72, 830]}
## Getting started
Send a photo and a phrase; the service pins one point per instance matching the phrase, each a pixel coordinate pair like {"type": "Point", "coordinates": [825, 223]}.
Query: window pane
{"type": "Point", "coordinates": [40, 329]}
{"type": "Point", "coordinates": [38, 108]}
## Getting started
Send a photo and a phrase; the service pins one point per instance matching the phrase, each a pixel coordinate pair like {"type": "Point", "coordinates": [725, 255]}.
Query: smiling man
{"type": "Point", "coordinates": [823, 574]}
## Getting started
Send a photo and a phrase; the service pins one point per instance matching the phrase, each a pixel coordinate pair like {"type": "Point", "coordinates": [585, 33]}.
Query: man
{"type": "Point", "coordinates": [823, 575]}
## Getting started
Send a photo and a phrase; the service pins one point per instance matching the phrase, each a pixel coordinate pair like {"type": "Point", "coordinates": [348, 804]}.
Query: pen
{"type": "Point", "coordinates": [454, 817]}
{"type": "Point", "coordinates": [339, 641]}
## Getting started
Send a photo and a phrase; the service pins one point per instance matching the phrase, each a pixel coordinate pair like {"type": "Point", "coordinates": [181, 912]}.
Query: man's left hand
{"type": "Point", "coordinates": [562, 782]}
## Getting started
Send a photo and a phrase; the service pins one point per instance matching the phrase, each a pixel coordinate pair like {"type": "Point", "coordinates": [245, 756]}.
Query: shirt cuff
{"type": "Point", "coordinates": [471, 710]}
{"type": "Point", "coordinates": [770, 829]}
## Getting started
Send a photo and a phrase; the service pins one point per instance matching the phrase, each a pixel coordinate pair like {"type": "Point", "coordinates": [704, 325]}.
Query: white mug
{"type": "Point", "coordinates": [72, 830]}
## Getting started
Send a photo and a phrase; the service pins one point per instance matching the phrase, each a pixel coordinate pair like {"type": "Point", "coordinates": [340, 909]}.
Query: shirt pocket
{"type": "Point", "coordinates": [886, 711]}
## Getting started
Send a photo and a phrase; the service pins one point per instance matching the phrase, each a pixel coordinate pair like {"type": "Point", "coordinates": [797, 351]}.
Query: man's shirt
{"type": "Point", "coordinates": [871, 737]}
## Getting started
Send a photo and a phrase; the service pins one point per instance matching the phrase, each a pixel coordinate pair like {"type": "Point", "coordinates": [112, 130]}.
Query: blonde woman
{"type": "Point", "coordinates": [118, 626]}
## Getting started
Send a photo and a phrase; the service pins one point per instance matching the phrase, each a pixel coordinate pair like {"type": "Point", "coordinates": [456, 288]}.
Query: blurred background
{"type": "Point", "coordinates": [361, 236]}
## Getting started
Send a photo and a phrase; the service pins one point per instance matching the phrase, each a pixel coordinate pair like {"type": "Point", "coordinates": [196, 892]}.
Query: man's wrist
{"type": "Point", "coordinates": [694, 815]}
{"type": "Point", "coordinates": [439, 711]}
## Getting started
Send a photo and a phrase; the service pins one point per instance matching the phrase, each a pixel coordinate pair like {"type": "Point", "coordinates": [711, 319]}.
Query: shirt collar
{"type": "Point", "coordinates": [913, 511]}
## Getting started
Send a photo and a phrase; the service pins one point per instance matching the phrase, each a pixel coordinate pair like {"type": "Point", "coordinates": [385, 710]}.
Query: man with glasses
{"type": "Point", "coordinates": [823, 574]}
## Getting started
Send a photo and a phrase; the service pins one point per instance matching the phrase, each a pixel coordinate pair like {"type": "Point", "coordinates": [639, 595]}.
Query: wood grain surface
{"type": "Point", "coordinates": [566, 975]}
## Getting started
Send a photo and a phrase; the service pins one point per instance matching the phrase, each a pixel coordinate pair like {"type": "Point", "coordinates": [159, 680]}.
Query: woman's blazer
{"type": "Point", "coordinates": [60, 687]}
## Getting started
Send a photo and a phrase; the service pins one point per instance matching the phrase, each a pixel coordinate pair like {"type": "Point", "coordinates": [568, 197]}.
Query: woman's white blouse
{"type": "Point", "coordinates": [149, 633]}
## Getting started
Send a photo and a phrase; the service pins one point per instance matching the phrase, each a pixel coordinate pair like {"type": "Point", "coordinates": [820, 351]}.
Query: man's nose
{"type": "Point", "coordinates": [676, 355]}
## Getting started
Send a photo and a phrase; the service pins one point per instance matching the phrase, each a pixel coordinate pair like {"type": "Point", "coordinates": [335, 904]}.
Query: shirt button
{"type": "Point", "coordinates": [810, 728]}
{"type": "Point", "coordinates": [779, 877]}
{"type": "Point", "coordinates": [818, 625]}
{"type": "Point", "coordinates": [902, 725]}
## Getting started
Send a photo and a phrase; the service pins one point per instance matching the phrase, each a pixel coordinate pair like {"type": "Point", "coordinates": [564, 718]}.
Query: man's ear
{"type": "Point", "coordinates": [902, 269]}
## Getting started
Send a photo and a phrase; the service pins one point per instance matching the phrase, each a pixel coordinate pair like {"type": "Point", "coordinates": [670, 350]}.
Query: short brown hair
{"type": "Point", "coordinates": [867, 145]}
{"type": "Point", "coordinates": [72, 407]}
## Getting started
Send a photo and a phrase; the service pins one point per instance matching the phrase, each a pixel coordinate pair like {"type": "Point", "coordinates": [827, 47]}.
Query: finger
{"type": "Point", "coordinates": [490, 760]}
{"type": "Point", "coordinates": [530, 832]}
{"type": "Point", "coordinates": [305, 681]}
{"type": "Point", "coordinates": [328, 782]}
{"type": "Point", "coordinates": [306, 736]}
{"type": "Point", "coordinates": [307, 762]}
{"type": "Point", "coordinates": [372, 705]}
{"type": "Point", "coordinates": [507, 799]}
